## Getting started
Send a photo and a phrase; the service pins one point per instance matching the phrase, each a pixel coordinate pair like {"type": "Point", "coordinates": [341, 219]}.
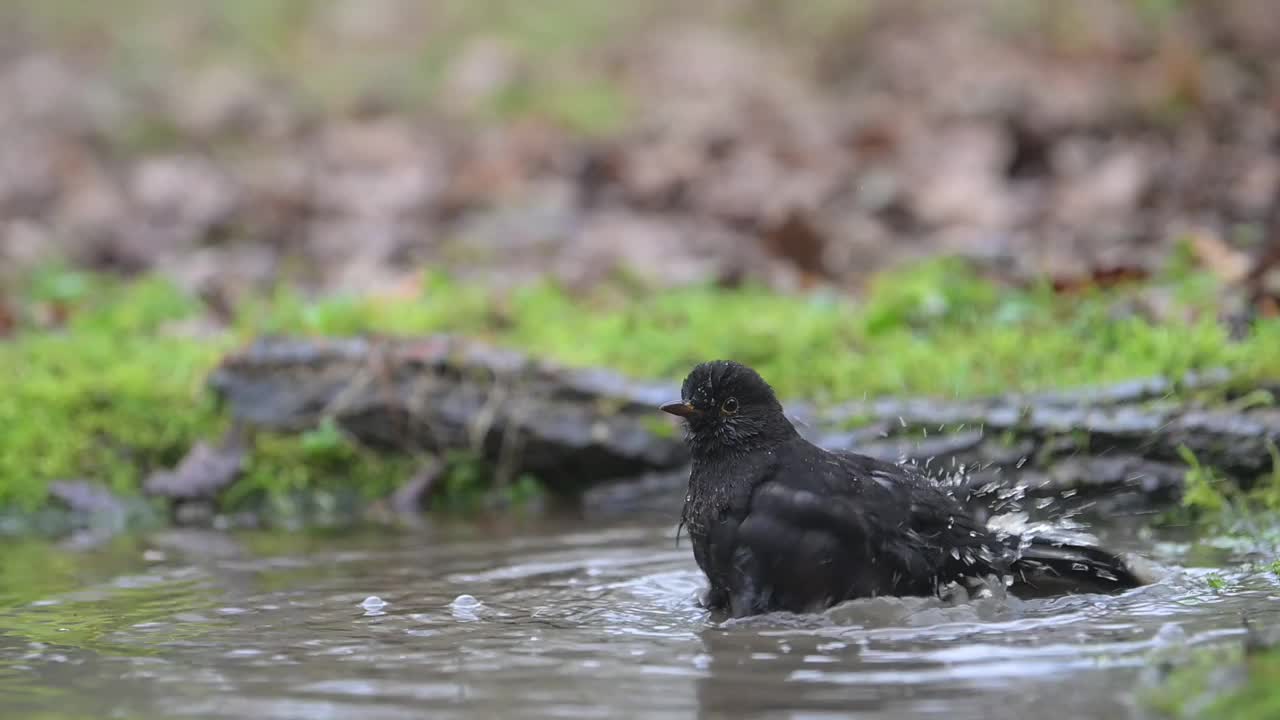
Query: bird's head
{"type": "Point", "coordinates": [727, 406]}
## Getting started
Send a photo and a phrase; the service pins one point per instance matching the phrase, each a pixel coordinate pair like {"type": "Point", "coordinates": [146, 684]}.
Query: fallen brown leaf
{"type": "Point", "coordinates": [1102, 277]}
{"type": "Point", "coordinates": [1227, 263]}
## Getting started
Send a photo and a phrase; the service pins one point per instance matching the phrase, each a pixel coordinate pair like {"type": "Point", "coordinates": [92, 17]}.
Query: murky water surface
{"type": "Point", "coordinates": [552, 620]}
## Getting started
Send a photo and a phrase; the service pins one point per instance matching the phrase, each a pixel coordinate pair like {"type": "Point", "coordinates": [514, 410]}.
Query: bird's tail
{"type": "Point", "coordinates": [1053, 567]}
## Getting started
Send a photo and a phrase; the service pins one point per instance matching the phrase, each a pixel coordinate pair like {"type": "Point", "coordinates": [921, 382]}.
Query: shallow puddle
{"type": "Point", "coordinates": [539, 621]}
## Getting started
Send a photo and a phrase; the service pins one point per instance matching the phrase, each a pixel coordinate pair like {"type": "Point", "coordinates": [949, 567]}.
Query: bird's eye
{"type": "Point", "coordinates": [730, 406]}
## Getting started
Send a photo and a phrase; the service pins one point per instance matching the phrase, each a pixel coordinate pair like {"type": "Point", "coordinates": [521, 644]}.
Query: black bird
{"type": "Point", "coordinates": [778, 523]}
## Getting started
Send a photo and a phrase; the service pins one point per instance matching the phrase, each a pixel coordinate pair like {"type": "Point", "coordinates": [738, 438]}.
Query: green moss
{"type": "Point", "coordinates": [1206, 491]}
{"type": "Point", "coordinates": [961, 340]}
{"type": "Point", "coordinates": [118, 390]}
{"type": "Point", "coordinates": [321, 460]}
{"type": "Point", "coordinates": [1211, 500]}
{"type": "Point", "coordinates": [468, 486]}
{"type": "Point", "coordinates": [110, 396]}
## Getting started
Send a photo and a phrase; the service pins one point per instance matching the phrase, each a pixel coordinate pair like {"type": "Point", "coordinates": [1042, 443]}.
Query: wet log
{"type": "Point", "coordinates": [1236, 442]}
{"type": "Point", "coordinates": [578, 429]}
{"type": "Point", "coordinates": [570, 427]}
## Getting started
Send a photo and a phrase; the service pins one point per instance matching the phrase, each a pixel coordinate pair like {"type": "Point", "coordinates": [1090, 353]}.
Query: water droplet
{"type": "Point", "coordinates": [464, 608]}
{"type": "Point", "coordinates": [373, 605]}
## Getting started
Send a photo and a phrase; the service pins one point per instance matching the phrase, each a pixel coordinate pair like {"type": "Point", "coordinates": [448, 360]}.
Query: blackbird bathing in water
{"type": "Point", "coordinates": [778, 523]}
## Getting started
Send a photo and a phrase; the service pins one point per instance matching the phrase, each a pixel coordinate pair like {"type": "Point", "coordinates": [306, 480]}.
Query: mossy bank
{"type": "Point", "coordinates": [104, 379]}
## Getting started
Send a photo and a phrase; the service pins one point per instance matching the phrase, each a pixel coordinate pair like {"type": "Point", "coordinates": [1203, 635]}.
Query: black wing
{"type": "Point", "coordinates": [871, 528]}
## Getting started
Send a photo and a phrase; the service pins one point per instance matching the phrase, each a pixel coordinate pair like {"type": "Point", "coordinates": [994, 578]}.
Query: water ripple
{"type": "Point", "coordinates": [565, 625]}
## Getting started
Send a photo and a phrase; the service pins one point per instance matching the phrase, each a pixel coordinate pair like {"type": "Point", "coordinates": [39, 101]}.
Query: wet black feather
{"type": "Point", "coordinates": [778, 523]}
